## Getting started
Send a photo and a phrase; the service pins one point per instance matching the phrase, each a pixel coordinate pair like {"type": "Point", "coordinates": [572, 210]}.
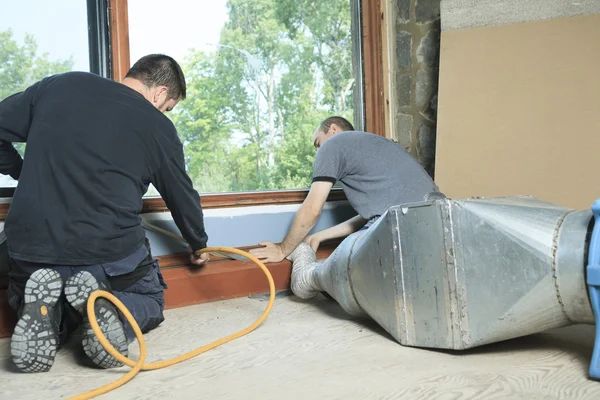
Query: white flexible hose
{"type": "Point", "coordinates": [304, 263]}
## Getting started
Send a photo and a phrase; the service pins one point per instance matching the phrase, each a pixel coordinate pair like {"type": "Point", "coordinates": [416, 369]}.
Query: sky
{"type": "Point", "coordinates": [60, 26]}
{"type": "Point", "coordinates": [159, 26]}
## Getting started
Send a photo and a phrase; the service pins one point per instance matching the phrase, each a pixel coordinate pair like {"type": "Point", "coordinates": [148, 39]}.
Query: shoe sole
{"type": "Point", "coordinates": [77, 290]}
{"type": "Point", "coordinates": [35, 341]}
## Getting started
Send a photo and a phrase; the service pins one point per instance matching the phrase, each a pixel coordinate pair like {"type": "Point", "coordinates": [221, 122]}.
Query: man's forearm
{"type": "Point", "coordinates": [304, 221]}
{"type": "Point", "coordinates": [342, 230]}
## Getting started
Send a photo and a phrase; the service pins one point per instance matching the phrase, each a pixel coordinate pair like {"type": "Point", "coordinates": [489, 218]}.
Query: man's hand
{"type": "Point", "coordinates": [304, 221]}
{"type": "Point", "coordinates": [313, 241]}
{"type": "Point", "coordinates": [198, 260]}
{"type": "Point", "coordinates": [271, 252]}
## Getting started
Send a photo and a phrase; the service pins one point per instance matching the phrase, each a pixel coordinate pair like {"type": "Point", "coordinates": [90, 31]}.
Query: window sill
{"type": "Point", "coordinates": [222, 200]}
{"type": "Point", "coordinates": [243, 199]}
{"type": "Point", "coordinates": [224, 279]}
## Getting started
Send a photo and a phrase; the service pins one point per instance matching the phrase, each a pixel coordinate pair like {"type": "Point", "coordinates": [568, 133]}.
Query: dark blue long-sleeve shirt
{"type": "Point", "coordinates": [93, 147]}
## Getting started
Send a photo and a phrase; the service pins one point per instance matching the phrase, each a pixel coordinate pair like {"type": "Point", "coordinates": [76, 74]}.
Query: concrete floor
{"type": "Point", "coordinates": [310, 350]}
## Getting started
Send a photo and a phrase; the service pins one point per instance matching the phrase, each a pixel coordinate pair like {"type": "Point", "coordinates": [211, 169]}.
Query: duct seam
{"type": "Point", "coordinates": [452, 279]}
{"type": "Point", "coordinates": [348, 262]}
{"type": "Point", "coordinates": [397, 243]}
{"type": "Point", "coordinates": [553, 266]}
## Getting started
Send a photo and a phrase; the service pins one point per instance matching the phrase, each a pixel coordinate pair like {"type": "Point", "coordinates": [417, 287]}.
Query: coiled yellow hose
{"type": "Point", "coordinates": [139, 365]}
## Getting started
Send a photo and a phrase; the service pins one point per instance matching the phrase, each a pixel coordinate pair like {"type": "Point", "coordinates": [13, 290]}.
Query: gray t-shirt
{"type": "Point", "coordinates": [375, 173]}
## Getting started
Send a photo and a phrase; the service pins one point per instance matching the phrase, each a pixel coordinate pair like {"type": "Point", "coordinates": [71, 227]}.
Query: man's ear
{"type": "Point", "coordinates": [159, 92]}
{"type": "Point", "coordinates": [334, 129]}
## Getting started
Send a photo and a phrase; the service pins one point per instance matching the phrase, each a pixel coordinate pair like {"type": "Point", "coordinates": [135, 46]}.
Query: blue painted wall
{"type": "Point", "coordinates": [244, 226]}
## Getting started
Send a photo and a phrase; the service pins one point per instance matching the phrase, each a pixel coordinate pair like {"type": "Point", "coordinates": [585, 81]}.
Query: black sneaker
{"type": "Point", "coordinates": [77, 290]}
{"type": "Point", "coordinates": [35, 338]}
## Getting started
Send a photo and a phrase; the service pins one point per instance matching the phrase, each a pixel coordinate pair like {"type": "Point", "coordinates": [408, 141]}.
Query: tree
{"type": "Point", "coordinates": [278, 71]}
{"type": "Point", "coordinates": [329, 26]}
{"type": "Point", "coordinates": [202, 126]}
{"type": "Point", "coordinates": [21, 66]}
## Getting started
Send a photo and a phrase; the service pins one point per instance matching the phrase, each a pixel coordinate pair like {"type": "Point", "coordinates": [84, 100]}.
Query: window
{"type": "Point", "coordinates": [38, 39]}
{"type": "Point", "coordinates": [277, 71]}
{"type": "Point", "coordinates": [261, 75]}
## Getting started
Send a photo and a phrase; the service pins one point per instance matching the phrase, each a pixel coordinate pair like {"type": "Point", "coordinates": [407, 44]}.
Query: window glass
{"type": "Point", "coordinates": [261, 75]}
{"type": "Point", "coordinates": [37, 39]}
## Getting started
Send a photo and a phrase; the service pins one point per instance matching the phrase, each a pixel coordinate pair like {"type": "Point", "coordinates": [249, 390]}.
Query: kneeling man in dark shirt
{"type": "Point", "coordinates": [93, 147]}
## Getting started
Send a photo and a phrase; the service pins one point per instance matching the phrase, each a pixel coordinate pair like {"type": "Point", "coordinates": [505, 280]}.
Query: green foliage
{"type": "Point", "coordinates": [21, 66]}
{"type": "Point", "coordinates": [281, 67]}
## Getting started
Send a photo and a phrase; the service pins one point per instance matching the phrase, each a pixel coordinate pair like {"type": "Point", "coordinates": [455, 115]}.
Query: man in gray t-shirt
{"type": "Point", "coordinates": [375, 174]}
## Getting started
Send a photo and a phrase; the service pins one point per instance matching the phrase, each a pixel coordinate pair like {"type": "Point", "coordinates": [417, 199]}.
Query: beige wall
{"type": "Point", "coordinates": [519, 111]}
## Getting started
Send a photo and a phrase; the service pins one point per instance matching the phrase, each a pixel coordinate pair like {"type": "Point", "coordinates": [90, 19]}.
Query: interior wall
{"type": "Point", "coordinates": [519, 100]}
{"type": "Point", "coordinates": [244, 226]}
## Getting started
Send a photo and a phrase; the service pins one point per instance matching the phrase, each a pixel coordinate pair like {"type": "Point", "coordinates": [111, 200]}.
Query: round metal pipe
{"type": "Point", "coordinates": [571, 260]}
{"type": "Point", "coordinates": [333, 276]}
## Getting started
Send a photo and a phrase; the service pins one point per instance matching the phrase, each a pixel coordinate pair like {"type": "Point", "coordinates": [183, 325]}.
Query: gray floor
{"type": "Point", "coordinates": [311, 351]}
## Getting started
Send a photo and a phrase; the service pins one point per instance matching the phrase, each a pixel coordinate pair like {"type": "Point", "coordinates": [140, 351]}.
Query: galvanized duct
{"type": "Point", "coordinates": [456, 274]}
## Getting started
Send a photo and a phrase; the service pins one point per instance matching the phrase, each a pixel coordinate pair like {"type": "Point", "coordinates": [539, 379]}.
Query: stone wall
{"type": "Point", "coordinates": [417, 59]}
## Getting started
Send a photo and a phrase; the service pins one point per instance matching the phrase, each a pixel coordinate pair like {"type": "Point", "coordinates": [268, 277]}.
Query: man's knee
{"type": "Point", "coordinates": [147, 310]}
{"type": "Point", "coordinates": [156, 316]}
{"type": "Point", "coordinates": [151, 285]}
{"type": "Point", "coordinates": [145, 300]}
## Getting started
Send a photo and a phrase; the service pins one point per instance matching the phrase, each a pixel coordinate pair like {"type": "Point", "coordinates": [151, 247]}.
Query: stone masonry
{"type": "Point", "coordinates": [417, 60]}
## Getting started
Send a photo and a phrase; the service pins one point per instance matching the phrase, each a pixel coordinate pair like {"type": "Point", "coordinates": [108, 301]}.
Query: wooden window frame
{"type": "Point", "coordinates": [372, 46]}
{"type": "Point", "coordinates": [373, 93]}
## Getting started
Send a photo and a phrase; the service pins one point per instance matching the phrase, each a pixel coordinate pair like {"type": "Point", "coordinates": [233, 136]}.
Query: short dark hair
{"type": "Point", "coordinates": [160, 70]}
{"type": "Point", "coordinates": [342, 122]}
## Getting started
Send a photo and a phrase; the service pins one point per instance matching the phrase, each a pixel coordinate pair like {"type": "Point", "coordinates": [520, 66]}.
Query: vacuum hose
{"type": "Point", "coordinates": [140, 364]}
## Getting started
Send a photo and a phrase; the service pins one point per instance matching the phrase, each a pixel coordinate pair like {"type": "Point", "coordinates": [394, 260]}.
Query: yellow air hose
{"type": "Point", "coordinates": [140, 363]}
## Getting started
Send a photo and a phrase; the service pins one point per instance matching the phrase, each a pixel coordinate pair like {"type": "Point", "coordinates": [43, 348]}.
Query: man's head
{"type": "Point", "coordinates": [159, 79]}
{"type": "Point", "coordinates": [330, 127]}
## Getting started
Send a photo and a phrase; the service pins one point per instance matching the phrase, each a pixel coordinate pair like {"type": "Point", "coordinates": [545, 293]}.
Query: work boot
{"type": "Point", "coordinates": [77, 290]}
{"type": "Point", "coordinates": [304, 262]}
{"type": "Point", "coordinates": [35, 338]}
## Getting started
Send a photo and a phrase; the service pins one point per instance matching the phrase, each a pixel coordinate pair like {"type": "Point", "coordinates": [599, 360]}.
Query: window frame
{"type": "Point", "coordinates": [370, 29]}
{"type": "Point", "coordinates": [110, 57]}
{"type": "Point", "coordinates": [99, 37]}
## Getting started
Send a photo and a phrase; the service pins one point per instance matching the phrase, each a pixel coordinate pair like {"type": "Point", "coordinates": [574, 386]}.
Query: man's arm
{"type": "Point", "coordinates": [11, 162]}
{"type": "Point", "coordinates": [340, 230]}
{"type": "Point", "coordinates": [304, 221]}
{"type": "Point", "coordinates": [175, 187]}
{"type": "Point", "coordinates": [15, 121]}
